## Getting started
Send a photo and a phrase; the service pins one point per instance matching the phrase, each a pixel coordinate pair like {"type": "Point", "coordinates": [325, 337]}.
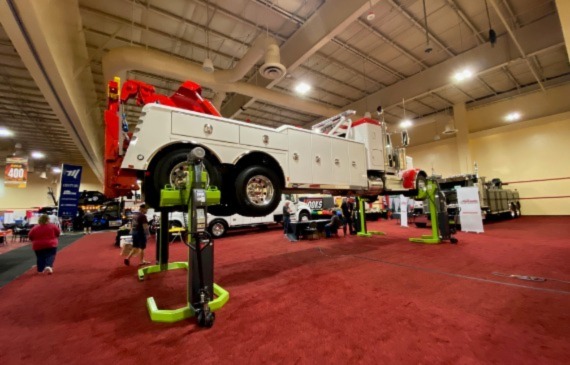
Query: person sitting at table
{"type": "Point", "coordinates": [333, 225]}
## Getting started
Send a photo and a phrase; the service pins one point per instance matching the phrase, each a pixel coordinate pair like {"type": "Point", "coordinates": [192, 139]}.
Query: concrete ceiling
{"type": "Point", "coordinates": [53, 83]}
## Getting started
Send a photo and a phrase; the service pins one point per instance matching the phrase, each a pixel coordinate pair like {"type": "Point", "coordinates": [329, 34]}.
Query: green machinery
{"type": "Point", "coordinates": [204, 297]}
{"type": "Point", "coordinates": [362, 231]}
{"type": "Point", "coordinates": [440, 229]}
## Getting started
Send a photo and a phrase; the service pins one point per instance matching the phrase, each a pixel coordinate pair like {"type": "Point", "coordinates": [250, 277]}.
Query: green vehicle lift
{"type": "Point", "coordinates": [440, 230]}
{"type": "Point", "coordinates": [204, 297]}
{"type": "Point", "coordinates": [362, 230]}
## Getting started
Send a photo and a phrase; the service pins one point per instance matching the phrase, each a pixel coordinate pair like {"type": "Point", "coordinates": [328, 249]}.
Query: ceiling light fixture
{"type": "Point", "coordinates": [6, 132]}
{"type": "Point", "coordinates": [370, 16]}
{"type": "Point", "coordinates": [463, 75]}
{"type": "Point", "coordinates": [302, 88]}
{"type": "Point", "coordinates": [407, 123]}
{"type": "Point", "coordinates": [513, 117]}
{"type": "Point", "coordinates": [37, 155]}
{"type": "Point", "coordinates": [56, 170]}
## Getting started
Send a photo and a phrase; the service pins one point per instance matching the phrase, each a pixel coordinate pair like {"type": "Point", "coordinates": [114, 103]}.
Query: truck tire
{"type": "Point", "coordinates": [168, 170]}
{"type": "Point", "coordinates": [304, 216]}
{"type": "Point", "coordinates": [218, 228]}
{"type": "Point", "coordinates": [513, 211]}
{"type": "Point", "coordinates": [257, 191]}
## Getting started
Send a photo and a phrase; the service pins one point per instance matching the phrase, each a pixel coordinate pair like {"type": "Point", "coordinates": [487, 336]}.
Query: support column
{"type": "Point", "coordinates": [462, 138]}
{"type": "Point", "coordinates": [563, 7]}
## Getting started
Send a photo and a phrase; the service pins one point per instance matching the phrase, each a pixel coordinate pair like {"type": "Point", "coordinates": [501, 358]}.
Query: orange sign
{"type": "Point", "coordinates": [16, 173]}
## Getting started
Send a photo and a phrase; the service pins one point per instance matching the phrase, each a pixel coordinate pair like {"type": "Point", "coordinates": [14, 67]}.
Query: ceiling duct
{"type": "Point", "coordinates": [272, 68]}
{"type": "Point", "coordinates": [118, 61]}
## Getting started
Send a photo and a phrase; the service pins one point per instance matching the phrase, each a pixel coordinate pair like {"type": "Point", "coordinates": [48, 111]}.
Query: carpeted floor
{"type": "Point", "coordinates": [380, 300]}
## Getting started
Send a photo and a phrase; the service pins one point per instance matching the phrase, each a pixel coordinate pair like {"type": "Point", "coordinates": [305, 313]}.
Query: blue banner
{"type": "Point", "coordinates": [69, 191]}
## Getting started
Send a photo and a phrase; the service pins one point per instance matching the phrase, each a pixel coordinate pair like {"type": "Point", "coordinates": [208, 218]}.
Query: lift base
{"type": "Point", "coordinates": [160, 268]}
{"type": "Point", "coordinates": [175, 315]}
{"type": "Point", "coordinates": [370, 234]}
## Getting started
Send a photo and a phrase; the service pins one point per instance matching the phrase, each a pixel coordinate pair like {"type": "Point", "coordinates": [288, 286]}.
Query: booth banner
{"type": "Point", "coordinates": [69, 190]}
{"type": "Point", "coordinates": [403, 211]}
{"type": "Point", "coordinates": [470, 209]}
{"type": "Point", "coordinates": [16, 173]}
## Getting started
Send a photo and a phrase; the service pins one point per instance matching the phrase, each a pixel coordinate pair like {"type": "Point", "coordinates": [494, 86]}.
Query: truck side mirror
{"type": "Point", "coordinates": [405, 138]}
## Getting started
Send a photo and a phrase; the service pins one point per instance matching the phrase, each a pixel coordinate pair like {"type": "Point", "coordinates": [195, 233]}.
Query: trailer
{"type": "Point", "coordinates": [495, 200]}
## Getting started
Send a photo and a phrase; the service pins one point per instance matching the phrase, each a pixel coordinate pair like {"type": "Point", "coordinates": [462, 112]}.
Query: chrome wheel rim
{"type": "Point", "coordinates": [421, 184]}
{"type": "Point", "coordinates": [218, 229]}
{"type": "Point", "coordinates": [178, 174]}
{"type": "Point", "coordinates": [259, 190]}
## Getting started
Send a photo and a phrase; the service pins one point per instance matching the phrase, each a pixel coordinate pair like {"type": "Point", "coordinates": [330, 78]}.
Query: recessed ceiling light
{"type": "Point", "coordinates": [302, 88]}
{"type": "Point", "coordinates": [55, 170]}
{"type": "Point", "coordinates": [5, 132]}
{"type": "Point", "coordinates": [463, 75]}
{"type": "Point", "coordinates": [513, 117]}
{"type": "Point", "coordinates": [37, 155]}
{"type": "Point", "coordinates": [406, 123]}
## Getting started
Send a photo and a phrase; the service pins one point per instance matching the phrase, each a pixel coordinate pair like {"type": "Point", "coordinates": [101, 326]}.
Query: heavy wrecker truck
{"type": "Point", "coordinates": [252, 165]}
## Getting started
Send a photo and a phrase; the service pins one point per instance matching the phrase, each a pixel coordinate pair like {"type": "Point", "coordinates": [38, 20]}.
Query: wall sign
{"type": "Point", "coordinates": [16, 173]}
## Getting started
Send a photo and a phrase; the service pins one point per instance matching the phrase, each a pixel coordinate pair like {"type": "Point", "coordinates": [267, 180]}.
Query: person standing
{"type": "Point", "coordinates": [87, 223]}
{"type": "Point", "coordinates": [44, 237]}
{"type": "Point", "coordinates": [140, 236]}
{"type": "Point", "coordinates": [286, 217]}
{"type": "Point", "coordinates": [346, 208]}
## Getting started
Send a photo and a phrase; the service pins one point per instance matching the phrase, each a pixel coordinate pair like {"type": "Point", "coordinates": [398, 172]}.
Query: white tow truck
{"type": "Point", "coordinates": [253, 165]}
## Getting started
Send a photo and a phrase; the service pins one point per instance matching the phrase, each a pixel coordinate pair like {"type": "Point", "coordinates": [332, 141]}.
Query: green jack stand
{"type": "Point", "coordinates": [363, 232]}
{"type": "Point", "coordinates": [434, 238]}
{"type": "Point", "coordinates": [201, 271]}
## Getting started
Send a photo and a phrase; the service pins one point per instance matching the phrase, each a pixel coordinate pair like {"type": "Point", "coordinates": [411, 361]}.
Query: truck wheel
{"type": "Point", "coordinates": [171, 169]}
{"type": "Point", "coordinates": [304, 216]}
{"type": "Point", "coordinates": [257, 191]}
{"type": "Point", "coordinates": [514, 212]}
{"type": "Point", "coordinates": [218, 228]}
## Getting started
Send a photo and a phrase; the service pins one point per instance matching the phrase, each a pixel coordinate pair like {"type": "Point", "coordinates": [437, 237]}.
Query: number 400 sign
{"type": "Point", "coordinates": [16, 173]}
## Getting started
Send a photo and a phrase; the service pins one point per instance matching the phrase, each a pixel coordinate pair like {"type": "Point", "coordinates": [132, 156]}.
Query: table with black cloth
{"type": "Point", "coordinates": [296, 229]}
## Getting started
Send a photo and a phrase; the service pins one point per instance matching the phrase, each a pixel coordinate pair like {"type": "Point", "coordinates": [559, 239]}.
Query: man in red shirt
{"type": "Point", "coordinates": [44, 237]}
{"type": "Point", "coordinates": [140, 236]}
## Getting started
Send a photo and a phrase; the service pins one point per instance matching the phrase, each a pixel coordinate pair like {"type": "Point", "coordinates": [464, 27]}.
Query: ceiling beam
{"type": "Point", "coordinates": [516, 42]}
{"type": "Point", "coordinates": [486, 58]}
{"type": "Point", "coordinates": [48, 38]}
{"type": "Point", "coordinates": [325, 24]}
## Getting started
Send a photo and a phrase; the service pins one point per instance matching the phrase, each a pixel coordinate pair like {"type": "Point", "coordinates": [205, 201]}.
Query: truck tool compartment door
{"type": "Point", "coordinates": [203, 127]}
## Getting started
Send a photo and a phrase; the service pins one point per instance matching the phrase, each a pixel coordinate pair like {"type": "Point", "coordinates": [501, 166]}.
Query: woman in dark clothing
{"type": "Point", "coordinates": [44, 237]}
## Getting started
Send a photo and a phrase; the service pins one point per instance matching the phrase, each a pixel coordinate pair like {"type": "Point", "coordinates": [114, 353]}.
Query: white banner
{"type": "Point", "coordinates": [470, 209]}
{"type": "Point", "coordinates": [403, 211]}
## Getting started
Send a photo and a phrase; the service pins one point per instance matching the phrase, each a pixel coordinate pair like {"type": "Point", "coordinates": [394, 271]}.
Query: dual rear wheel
{"type": "Point", "coordinates": [255, 192]}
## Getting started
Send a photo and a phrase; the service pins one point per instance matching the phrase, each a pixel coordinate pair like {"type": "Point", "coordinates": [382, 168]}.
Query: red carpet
{"type": "Point", "coordinates": [380, 300]}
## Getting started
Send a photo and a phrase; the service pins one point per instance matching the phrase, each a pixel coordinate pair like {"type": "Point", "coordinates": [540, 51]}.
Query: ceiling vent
{"type": "Point", "coordinates": [272, 68]}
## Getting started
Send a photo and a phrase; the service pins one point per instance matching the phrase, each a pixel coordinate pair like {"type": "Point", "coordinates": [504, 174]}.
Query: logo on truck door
{"type": "Point", "coordinates": [314, 203]}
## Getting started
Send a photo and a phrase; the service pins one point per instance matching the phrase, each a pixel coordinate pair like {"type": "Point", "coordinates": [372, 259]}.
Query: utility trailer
{"type": "Point", "coordinates": [494, 200]}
